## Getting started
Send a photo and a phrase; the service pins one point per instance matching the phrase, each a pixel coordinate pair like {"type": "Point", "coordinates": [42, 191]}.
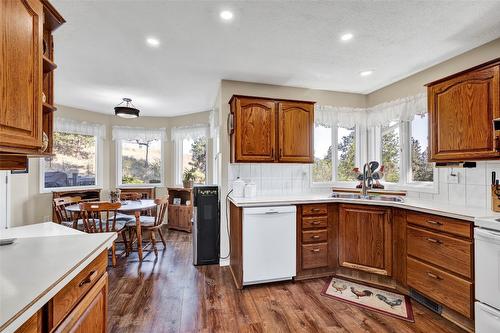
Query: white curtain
{"type": "Point", "coordinates": [213, 121]}
{"type": "Point", "coordinates": [402, 109]}
{"type": "Point", "coordinates": [79, 127]}
{"type": "Point", "coordinates": [138, 133]}
{"type": "Point", "coordinates": [190, 132]}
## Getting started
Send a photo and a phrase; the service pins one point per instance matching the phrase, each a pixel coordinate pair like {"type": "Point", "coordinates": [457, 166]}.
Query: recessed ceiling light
{"type": "Point", "coordinates": [366, 73]}
{"type": "Point", "coordinates": [226, 15]}
{"type": "Point", "coordinates": [346, 37]}
{"type": "Point", "coordinates": [153, 42]}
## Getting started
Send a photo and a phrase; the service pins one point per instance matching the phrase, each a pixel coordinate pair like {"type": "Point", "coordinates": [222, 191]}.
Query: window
{"type": "Point", "coordinates": [140, 162]}
{"type": "Point", "coordinates": [391, 152]}
{"type": "Point", "coordinates": [193, 159]}
{"type": "Point", "coordinates": [74, 163]}
{"type": "Point", "coordinates": [322, 167]}
{"type": "Point", "coordinates": [421, 170]}
{"type": "Point", "coordinates": [335, 154]}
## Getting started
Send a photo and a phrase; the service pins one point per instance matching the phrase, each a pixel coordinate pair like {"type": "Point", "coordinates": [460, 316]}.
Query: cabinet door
{"type": "Point", "coordinates": [461, 111]}
{"type": "Point", "coordinates": [365, 239]}
{"type": "Point", "coordinates": [295, 132]}
{"type": "Point", "coordinates": [173, 216]}
{"type": "Point", "coordinates": [21, 34]}
{"type": "Point", "coordinates": [185, 217]}
{"type": "Point", "coordinates": [255, 130]}
{"type": "Point", "coordinates": [90, 315]}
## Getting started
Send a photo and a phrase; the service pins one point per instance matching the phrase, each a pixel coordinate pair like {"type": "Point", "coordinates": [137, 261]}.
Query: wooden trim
{"type": "Point", "coordinates": [236, 244]}
{"type": "Point", "coordinates": [269, 98]}
{"type": "Point", "coordinates": [13, 162]}
{"type": "Point", "coordinates": [487, 64]}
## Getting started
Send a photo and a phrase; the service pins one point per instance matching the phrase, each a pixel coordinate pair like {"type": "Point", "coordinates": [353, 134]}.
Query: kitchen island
{"type": "Point", "coordinates": [47, 274]}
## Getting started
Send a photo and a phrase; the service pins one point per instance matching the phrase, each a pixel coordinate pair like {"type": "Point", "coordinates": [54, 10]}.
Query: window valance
{"type": "Point", "coordinates": [138, 133]}
{"type": "Point", "coordinates": [79, 127]}
{"type": "Point", "coordinates": [190, 132]}
{"type": "Point", "coordinates": [402, 109]}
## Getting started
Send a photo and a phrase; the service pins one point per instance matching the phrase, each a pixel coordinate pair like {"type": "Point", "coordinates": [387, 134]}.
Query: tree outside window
{"type": "Point", "coordinates": [322, 170]}
{"type": "Point", "coordinates": [346, 152]}
{"type": "Point", "coordinates": [391, 152]}
{"type": "Point", "coordinates": [141, 162]}
{"type": "Point", "coordinates": [421, 169]}
{"type": "Point", "coordinates": [194, 157]}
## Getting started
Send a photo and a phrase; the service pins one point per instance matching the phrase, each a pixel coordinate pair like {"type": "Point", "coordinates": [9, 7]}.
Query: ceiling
{"type": "Point", "coordinates": [102, 53]}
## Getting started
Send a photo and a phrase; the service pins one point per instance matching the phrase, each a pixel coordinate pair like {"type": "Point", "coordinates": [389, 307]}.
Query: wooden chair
{"type": "Point", "coordinates": [101, 217]}
{"type": "Point", "coordinates": [64, 217]}
{"type": "Point", "coordinates": [130, 196]}
{"type": "Point", "coordinates": [152, 224]}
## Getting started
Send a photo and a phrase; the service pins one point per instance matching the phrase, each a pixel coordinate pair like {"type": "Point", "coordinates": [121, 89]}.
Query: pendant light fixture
{"type": "Point", "coordinates": [126, 111]}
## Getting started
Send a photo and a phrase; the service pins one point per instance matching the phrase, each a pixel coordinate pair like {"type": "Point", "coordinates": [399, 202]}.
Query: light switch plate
{"type": "Point", "coordinates": [453, 178]}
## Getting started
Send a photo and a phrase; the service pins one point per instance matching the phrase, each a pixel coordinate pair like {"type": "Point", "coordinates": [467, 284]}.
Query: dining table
{"type": "Point", "coordinates": [128, 206]}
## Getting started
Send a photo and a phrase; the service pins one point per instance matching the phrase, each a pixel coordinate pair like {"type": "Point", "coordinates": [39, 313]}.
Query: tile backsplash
{"type": "Point", "coordinates": [473, 187]}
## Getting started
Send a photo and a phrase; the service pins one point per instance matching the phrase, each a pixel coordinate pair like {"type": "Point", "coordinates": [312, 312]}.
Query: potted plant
{"type": "Point", "coordinates": [188, 177]}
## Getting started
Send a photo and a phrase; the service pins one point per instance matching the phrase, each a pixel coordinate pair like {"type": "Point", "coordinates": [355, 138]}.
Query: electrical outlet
{"type": "Point", "coordinates": [453, 178]}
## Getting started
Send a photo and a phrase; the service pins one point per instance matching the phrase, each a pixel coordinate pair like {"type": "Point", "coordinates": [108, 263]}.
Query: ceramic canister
{"type": "Point", "coordinates": [238, 188]}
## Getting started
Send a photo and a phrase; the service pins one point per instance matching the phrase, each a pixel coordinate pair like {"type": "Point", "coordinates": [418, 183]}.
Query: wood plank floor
{"type": "Point", "coordinates": [171, 295]}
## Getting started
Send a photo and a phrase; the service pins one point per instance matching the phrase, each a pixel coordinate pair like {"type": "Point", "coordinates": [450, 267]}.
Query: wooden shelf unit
{"type": "Point", "coordinates": [179, 216]}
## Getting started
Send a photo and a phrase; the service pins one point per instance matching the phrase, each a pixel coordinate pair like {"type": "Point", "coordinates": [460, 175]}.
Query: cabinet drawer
{"type": "Point", "coordinates": [448, 252]}
{"type": "Point", "coordinates": [314, 255]}
{"type": "Point", "coordinates": [445, 288]}
{"type": "Point", "coordinates": [314, 236]}
{"type": "Point", "coordinates": [319, 209]}
{"type": "Point", "coordinates": [314, 222]}
{"type": "Point", "coordinates": [445, 224]}
{"type": "Point", "coordinates": [62, 303]}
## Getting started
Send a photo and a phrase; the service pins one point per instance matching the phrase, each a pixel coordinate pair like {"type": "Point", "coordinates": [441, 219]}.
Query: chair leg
{"type": "Point", "coordinates": [113, 255]}
{"type": "Point", "coordinates": [131, 237]}
{"type": "Point", "coordinates": [162, 238]}
{"type": "Point", "coordinates": [153, 242]}
{"type": "Point", "coordinates": [124, 236]}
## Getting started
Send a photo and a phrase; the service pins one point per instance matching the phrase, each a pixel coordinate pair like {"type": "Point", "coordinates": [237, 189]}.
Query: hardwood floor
{"type": "Point", "coordinates": [171, 295]}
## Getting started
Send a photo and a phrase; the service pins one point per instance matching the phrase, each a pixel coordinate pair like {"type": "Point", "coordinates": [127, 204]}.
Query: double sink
{"type": "Point", "coordinates": [356, 196]}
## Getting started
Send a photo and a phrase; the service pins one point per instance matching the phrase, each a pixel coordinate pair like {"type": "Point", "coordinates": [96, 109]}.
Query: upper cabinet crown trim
{"type": "Point", "coordinates": [269, 99]}
{"type": "Point", "coordinates": [485, 65]}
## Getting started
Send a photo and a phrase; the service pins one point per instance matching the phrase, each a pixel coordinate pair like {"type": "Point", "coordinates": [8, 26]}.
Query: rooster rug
{"type": "Point", "coordinates": [382, 301]}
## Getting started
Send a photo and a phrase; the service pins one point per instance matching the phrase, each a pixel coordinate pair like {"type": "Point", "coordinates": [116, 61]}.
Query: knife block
{"type": "Point", "coordinates": [495, 198]}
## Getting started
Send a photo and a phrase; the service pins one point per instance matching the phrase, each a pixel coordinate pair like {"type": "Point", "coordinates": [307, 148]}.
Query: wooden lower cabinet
{"type": "Point", "coordinates": [32, 325]}
{"type": "Point", "coordinates": [90, 315]}
{"type": "Point", "coordinates": [365, 238]}
{"type": "Point", "coordinates": [179, 217]}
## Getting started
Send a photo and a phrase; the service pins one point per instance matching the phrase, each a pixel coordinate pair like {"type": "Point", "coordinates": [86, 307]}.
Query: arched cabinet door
{"type": "Point", "coordinates": [21, 31]}
{"type": "Point", "coordinates": [255, 130]}
{"type": "Point", "coordinates": [295, 132]}
{"type": "Point", "coordinates": [461, 112]}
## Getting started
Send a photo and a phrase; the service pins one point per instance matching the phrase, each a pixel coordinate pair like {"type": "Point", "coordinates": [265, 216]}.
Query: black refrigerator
{"type": "Point", "coordinates": [206, 225]}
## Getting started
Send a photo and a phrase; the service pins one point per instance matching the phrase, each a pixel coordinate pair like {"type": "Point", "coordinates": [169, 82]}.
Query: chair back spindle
{"type": "Point", "coordinates": [99, 216]}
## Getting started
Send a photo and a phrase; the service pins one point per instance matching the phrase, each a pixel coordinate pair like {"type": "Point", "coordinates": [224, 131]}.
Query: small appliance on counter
{"type": "Point", "coordinates": [206, 225]}
{"type": "Point", "coordinates": [250, 190]}
{"type": "Point", "coordinates": [238, 188]}
{"type": "Point", "coordinates": [487, 274]}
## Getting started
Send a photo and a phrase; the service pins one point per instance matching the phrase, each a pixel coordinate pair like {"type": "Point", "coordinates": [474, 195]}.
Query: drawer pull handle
{"type": "Point", "coordinates": [434, 276]}
{"type": "Point", "coordinates": [315, 250]}
{"type": "Point", "coordinates": [316, 210]}
{"type": "Point", "coordinates": [91, 277]}
{"type": "Point", "coordinates": [315, 237]}
{"type": "Point", "coordinates": [435, 241]}
{"type": "Point", "coordinates": [434, 222]}
{"type": "Point", "coordinates": [316, 222]}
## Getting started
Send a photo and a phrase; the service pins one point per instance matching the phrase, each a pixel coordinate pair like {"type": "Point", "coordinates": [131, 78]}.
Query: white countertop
{"type": "Point", "coordinates": [42, 260]}
{"type": "Point", "coordinates": [433, 207]}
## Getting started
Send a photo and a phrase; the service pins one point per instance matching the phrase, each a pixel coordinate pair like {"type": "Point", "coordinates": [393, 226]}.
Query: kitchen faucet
{"type": "Point", "coordinates": [367, 176]}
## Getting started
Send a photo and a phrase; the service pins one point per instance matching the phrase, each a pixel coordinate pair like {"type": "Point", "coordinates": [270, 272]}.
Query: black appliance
{"type": "Point", "coordinates": [206, 225]}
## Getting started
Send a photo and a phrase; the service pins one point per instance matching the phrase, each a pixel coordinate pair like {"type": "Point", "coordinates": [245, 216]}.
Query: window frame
{"type": "Point", "coordinates": [178, 161]}
{"type": "Point", "coordinates": [119, 170]}
{"type": "Point", "coordinates": [334, 136]}
{"type": "Point", "coordinates": [99, 170]}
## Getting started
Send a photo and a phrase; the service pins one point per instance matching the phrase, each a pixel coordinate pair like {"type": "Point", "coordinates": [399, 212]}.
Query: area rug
{"type": "Point", "coordinates": [378, 300]}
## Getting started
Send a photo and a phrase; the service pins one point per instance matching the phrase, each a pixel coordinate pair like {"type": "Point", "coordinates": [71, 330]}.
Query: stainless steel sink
{"type": "Point", "coordinates": [391, 198]}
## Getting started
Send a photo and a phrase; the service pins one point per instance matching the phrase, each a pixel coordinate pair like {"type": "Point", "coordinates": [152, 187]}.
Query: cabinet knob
{"type": "Point", "coordinates": [316, 222]}
{"type": "Point", "coordinates": [315, 250]}
{"type": "Point", "coordinates": [434, 222]}
{"type": "Point", "coordinates": [315, 237]}
{"type": "Point", "coordinates": [433, 240]}
{"type": "Point", "coordinates": [434, 276]}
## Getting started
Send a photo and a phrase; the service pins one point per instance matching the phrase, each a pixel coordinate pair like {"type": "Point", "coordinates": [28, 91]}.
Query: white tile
{"type": "Point", "coordinates": [477, 175]}
{"type": "Point", "coordinates": [426, 196]}
{"type": "Point", "coordinates": [443, 172]}
{"type": "Point", "coordinates": [476, 196]}
{"type": "Point", "coordinates": [442, 194]}
{"type": "Point", "coordinates": [412, 195]}
{"type": "Point", "coordinates": [245, 174]}
{"type": "Point", "coordinates": [456, 194]}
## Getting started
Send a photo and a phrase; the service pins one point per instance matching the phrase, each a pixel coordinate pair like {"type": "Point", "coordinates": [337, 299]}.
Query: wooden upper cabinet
{"type": "Point", "coordinates": [254, 131]}
{"type": "Point", "coordinates": [21, 31]}
{"type": "Point", "coordinates": [461, 112]}
{"type": "Point", "coordinates": [269, 130]}
{"type": "Point", "coordinates": [365, 238]}
{"type": "Point", "coordinates": [296, 132]}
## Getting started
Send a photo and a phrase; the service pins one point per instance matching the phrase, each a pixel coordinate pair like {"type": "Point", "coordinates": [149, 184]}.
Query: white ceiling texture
{"type": "Point", "coordinates": [102, 53]}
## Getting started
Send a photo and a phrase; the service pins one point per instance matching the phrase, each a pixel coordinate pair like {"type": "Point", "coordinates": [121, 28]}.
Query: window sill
{"type": "Point", "coordinates": [70, 188]}
{"type": "Point", "coordinates": [414, 187]}
{"type": "Point", "coordinates": [139, 185]}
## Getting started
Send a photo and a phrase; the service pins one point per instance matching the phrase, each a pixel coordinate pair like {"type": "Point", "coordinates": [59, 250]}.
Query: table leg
{"type": "Point", "coordinates": [139, 233]}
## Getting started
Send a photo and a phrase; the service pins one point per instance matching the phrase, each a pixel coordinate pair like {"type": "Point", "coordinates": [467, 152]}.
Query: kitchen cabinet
{"type": "Point", "coordinates": [316, 235]}
{"type": "Point", "coordinates": [271, 130]}
{"type": "Point", "coordinates": [32, 325]}
{"type": "Point", "coordinates": [26, 79]}
{"type": "Point", "coordinates": [461, 112]}
{"type": "Point", "coordinates": [365, 238]}
{"type": "Point", "coordinates": [179, 216]}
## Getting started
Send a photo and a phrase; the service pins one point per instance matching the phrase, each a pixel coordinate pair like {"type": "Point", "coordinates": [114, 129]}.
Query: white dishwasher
{"type": "Point", "coordinates": [269, 244]}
